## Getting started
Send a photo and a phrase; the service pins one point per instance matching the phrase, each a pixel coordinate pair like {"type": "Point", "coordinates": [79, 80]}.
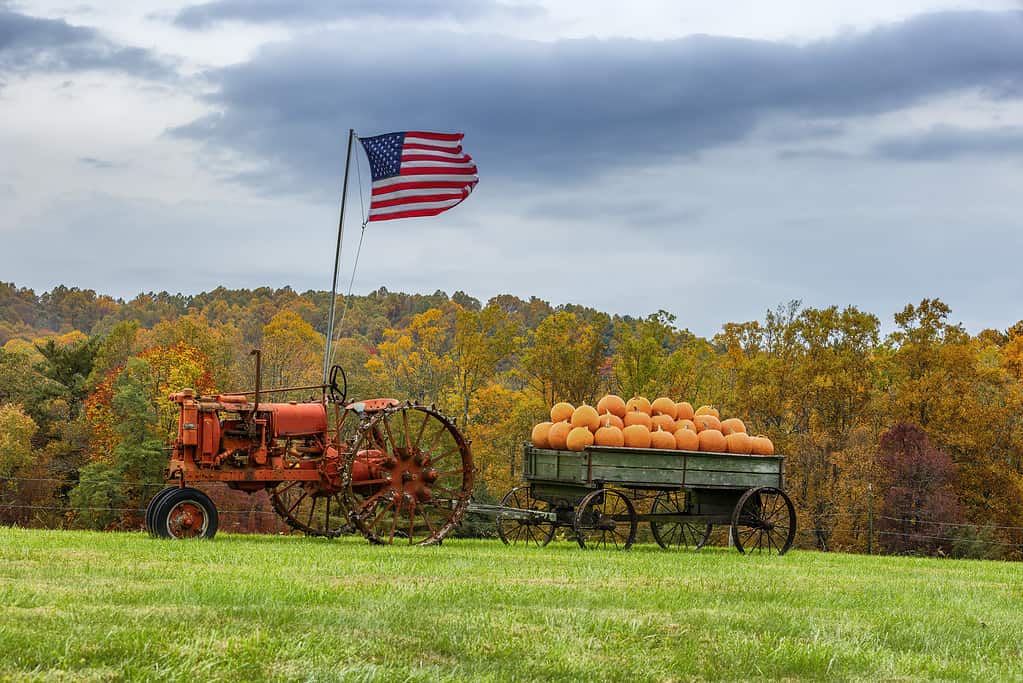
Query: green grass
{"type": "Point", "coordinates": [108, 606]}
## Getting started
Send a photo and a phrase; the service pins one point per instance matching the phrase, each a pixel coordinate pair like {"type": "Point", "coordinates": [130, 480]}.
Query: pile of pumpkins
{"type": "Point", "coordinates": [639, 423]}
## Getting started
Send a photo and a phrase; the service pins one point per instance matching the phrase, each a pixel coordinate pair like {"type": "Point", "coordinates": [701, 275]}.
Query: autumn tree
{"type": "Point", "coordinates": [415, 362]}
{"type": "Point", "coordinates": [562, 360]}
{"type": "Point", "coordinates": [483, 339]}
{"type": "Point", "coordinates": [292, 351]}
{"type": "Point", "coordinates": [919, 507]}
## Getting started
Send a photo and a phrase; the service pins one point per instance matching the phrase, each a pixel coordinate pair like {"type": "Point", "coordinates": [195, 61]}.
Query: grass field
{"type": "Point", "coordinates": [95, 606]}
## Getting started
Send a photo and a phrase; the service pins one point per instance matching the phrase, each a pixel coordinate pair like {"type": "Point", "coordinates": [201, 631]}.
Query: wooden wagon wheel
{"type": "Point", "coordinates": [420, 476]}
{"type": "Point", "coordinates": [514, 531]}
{"type": "Point", "coordinates": [310, 508]}
{"type": "Point", "coordinates": [605, 518]}
{"type": "Point", "coordinates": [677, 534]}
{"type": "Point", "coordinates": [764, 521]}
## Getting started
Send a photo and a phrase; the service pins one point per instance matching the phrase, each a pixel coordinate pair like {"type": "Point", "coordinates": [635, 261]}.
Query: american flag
{"type": "Point", "coordinates": [417, 174]}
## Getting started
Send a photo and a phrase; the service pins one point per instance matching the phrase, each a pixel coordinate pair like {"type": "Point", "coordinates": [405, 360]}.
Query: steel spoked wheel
{"type": "Point", "coordinates": [676, 534]}
{"type": "Point", "coordinates": [528, 532]}
{"type": "Point", "coordinates": [408, 476]}
{"type": "Point", "coordinates": [605, 519]}
{"type": "Point", "coordinates": [764, 521]}
{"type": "Point", "coordinates": [305, 506]}
{"type": "Point", "coordinates": [186, 513]}
{"type": "Point", "coordinates": [153, 506]}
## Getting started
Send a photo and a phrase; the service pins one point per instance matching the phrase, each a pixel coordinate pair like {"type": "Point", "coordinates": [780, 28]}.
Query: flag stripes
{"type": "Point", "coordinates": [417, 173]}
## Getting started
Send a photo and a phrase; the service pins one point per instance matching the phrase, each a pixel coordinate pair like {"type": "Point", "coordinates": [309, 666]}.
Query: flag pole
{"type": "Point", "coordinates": [337, 257]}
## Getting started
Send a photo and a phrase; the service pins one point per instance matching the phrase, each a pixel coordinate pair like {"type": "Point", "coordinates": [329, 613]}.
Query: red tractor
{"type": "Point", "coordinates": [394, 471]}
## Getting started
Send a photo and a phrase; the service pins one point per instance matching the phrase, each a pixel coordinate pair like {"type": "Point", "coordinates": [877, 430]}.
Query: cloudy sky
{"type": "Point", "coordinates": [710, 159]}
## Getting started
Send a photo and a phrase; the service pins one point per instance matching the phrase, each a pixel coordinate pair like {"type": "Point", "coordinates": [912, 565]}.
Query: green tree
{"type": "Point", "coordinates": [109, 489]}
{"type": "Point", "coordinates": [117, 347]}
{"type": "Point", "coordinates": [69, 366]}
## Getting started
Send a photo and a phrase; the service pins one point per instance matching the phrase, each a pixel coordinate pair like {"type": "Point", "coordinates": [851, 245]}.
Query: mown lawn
{"type": "Point", "coordinates": [106, 606]}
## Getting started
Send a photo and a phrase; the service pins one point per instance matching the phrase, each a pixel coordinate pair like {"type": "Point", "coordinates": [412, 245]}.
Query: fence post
{"type": "Point", "coordinates": [870, 519]}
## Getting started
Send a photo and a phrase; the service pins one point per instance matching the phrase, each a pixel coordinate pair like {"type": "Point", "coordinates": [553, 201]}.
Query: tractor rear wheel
{"type": "Point", "coordinates": [306, 507]}
{"type": "Point", "coordinates": [407, 476]}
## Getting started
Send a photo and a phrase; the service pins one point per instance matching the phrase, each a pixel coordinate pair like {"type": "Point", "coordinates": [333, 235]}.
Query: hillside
{"type": "Point", "coordinates": [95, 606]}
{"type": "Point", "coordinates": [920, 429]}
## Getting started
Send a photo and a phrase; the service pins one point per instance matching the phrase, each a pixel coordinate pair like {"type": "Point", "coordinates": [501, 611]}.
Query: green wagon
{"type": "Point", "coordinates": [602, 494]}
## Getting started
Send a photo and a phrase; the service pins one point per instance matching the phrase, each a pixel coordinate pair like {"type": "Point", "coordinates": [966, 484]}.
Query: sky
{"type": "Point", "coordinates": [713, 160]}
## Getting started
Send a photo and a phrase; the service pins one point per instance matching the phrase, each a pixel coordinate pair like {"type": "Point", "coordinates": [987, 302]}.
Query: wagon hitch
{"type": "Point", "coordinates": [517, 514]}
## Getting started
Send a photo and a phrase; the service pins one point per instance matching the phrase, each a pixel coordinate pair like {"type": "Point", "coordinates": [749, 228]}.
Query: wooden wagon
{"type": "Point", "coordinates": [602, 494]}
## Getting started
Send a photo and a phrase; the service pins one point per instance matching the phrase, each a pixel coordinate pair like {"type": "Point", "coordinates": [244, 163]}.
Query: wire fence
{"type": "Point", "coordinates": [813, 534]}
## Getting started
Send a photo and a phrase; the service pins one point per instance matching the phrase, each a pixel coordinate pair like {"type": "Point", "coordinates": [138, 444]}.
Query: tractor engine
{"type": "Point", "coordinates": [248, 434]}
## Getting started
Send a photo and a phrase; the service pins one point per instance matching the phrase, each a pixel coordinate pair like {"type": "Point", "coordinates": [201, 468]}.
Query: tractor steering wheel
{"type": "Point", "coordinates": [337, 394]}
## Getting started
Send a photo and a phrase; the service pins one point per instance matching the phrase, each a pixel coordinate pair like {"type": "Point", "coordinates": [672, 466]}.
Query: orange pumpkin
{"type": "Point", "coordinates": [579, 438]}
{"type": "Point", "coordinates": [685, 424]}
{"type": "Point", "coordinates": [636, 436]}
{"type": "Point", "coordinates": [732, 425]}
{"type": "Point", "coordinates": [762, 445]}
{"type": "Point", "coordinates": [639, 403]}
{"type": "Point", "coordinates": [611, 404]}
{"type": "Point", "coordinates": [664, 422]}
{"type": "Point", "coordinates": [562, 411]}
{"type": "Point", "coordinates": [539, 436]}
{"type": "Point", "coordinates": [739, 443]}
{"type": "Point", "coordinates": [609, 436]}
{"type": "Point", "coordinates": [586, 416]}
{"type": "Point", "coordinates": [687, 439]}
{"type": "Point", "coordinates": [703, 422]}
{"type": "Point", "coordinates": [707, 410]}
{"type": "Point", "coordinates": [662, 439]}
{"type": "Point", "coordinates": [635, 417]}
{"type": "Point", "coordinates": [610, 419]}
{"type": "Point", "coordinates": [684, 411]}
{"type": "Point", "coordinates": [712, 441]}
{"type": "Point", "coordinates": [557, 435]}
{"type": "Point", "coordinates": [664, 406]}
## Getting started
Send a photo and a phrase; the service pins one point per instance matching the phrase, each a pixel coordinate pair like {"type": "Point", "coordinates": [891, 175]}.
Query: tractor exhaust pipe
{"type": "Point", "coordinates": [259, 377]}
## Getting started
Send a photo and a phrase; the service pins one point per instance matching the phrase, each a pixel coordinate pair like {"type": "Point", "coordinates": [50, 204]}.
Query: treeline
{"type": "Point", "coordinates": [907, 442]}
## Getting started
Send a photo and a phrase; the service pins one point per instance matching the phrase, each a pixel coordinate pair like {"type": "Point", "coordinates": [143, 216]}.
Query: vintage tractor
{"type": "Point", "coordinates": [397, 472]}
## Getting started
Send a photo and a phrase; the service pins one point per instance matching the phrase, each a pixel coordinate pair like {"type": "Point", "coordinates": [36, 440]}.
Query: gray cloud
{"type": "Point", "coordinates": [97, 163]}
{"type": "Point", "coordinates": [32, 44]}
{"type": "Point", "coordinates": [313, 11]}
{"type": "Point", "coordinates": [574, 108]}
{"type": "Point", "coordinates": [824, 153]}
{"type": "Point", "coordinates": [949, 142]}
